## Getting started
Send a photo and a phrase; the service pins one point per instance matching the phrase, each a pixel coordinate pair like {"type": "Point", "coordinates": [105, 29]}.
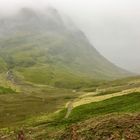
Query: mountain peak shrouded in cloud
{"type": "Point", "coordinates": [28, 12]}
{"type": "Point", "coordinates": [95, 18]}
{"type": "Point", "coordinates": [30, 19]}
{"type": "Point", "coordinates": [54, 76]}
{"type": "Point", "coordinates": [33, 38]}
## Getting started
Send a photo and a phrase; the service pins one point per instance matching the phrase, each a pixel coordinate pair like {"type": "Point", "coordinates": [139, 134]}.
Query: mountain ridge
{"type": "Point", "coordinates": [36, 43]}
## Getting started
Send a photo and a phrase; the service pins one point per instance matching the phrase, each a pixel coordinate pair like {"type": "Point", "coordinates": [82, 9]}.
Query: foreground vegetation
{"type": "Point", "coordinates": [107, 127]}
{"type": "Point", "coordinates": [126, 103]}
{"type": "Point", "coordinates": [117, 106]}
{"type": "Point", "coordinates": [39, 110]}
{"type": "Point", "coordinates": [56, 126]}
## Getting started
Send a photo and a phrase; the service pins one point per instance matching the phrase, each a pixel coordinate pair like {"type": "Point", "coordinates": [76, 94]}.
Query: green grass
{"type": "Point", "coordinates": [55, 59]}
{"type": "Point", "coordinates": [57, 123]}
{"type": "Point", "coordinates": [122, 104]}
{"type": "Point", "coordinates": [37, 117]}
{"type": "Point", "coordinates": [34, 102]}
{"type": "Point", "coordinates": [4, 90]}
{"type": "Point", "coordinates": [57, 76]}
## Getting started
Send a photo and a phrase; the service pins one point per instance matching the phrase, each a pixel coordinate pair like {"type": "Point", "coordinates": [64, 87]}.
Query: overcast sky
{"type": "Point", "coordinates": [113, 26]}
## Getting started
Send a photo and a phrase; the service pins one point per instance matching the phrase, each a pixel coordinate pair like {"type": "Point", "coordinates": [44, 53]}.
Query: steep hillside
{"type": "Point", "coordinates": [40, 48]}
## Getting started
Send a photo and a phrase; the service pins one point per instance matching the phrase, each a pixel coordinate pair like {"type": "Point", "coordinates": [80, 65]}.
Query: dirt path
{"type": "Point", "coordinates": [89, 98]}
{"type": "Point", "coordinates": [69, 109]}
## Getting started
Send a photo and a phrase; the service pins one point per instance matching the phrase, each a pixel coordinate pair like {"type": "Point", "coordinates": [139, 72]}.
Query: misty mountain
{"type": "Point", "coordinates": [42, 48]}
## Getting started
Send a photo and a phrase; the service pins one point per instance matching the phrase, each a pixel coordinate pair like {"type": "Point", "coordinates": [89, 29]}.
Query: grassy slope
{"type": "Point", "coordinates": [110, 111]}
{"type": "Point", "coordinates": [32, 101]}
{"type": "Point", "coordinates": [38, 65]}
{"type": "Point", "coordinates": [114, 118]}
{"type": "Point", "coordinates": [54, 57]}
{"type": "Point", "coordinates": [122, 104]}
{"type": "Point", "coordinates": [127, 103]}
{"type": "Point", "coordinates": [49, 99]}
{"type": "Point", "coordinates": [4, 90]}
{"type": "Point", "coordinates": [49, 126]}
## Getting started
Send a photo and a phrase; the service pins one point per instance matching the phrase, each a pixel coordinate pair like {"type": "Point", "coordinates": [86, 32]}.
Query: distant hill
{"type": "Point", "coordinates": [44, 49]}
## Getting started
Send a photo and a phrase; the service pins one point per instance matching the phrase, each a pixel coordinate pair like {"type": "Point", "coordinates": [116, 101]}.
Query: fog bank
{"type": "Point", "coordinates": [112, 26]}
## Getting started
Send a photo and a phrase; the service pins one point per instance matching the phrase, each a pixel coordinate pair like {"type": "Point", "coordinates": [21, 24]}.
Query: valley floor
{"type": "Point", "coordinates": [111, 112]}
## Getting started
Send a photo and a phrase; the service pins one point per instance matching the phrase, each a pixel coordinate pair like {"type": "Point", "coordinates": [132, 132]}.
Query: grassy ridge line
{"type": "Point", "coordinates": [114, 106]}
{"type": "Point", "coordinates": [122, 104]}
{"type": "Point", "coordinates": [60, 115]}
{"type": "Point", "coordinates": [89, 99]}
{"type": "Point", "coordinates": [93, 97]}
{"type": "Point", "coordinates": [126, 103]}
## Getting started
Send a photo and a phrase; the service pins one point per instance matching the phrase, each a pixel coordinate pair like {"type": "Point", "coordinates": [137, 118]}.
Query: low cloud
{"type": "Point", "coordinates": [112, 26]}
